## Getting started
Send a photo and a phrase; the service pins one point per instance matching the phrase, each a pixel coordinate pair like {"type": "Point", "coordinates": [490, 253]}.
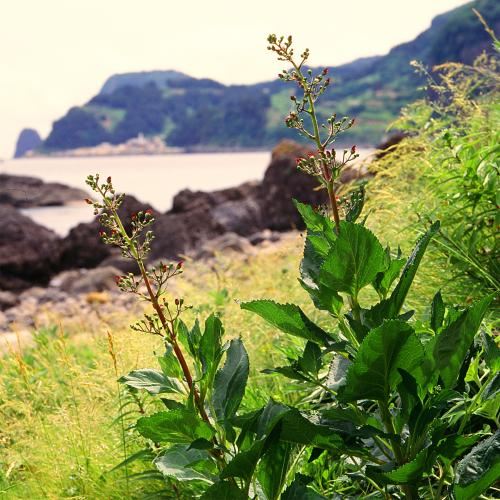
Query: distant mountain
{"type": "Point", "coordinates": [202, 113]}
{"type": "Point", "coordinates": [28, 140]}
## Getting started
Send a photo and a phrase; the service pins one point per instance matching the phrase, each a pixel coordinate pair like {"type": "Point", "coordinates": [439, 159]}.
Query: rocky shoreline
{"type": "Point", "coordinates": [39, 270]}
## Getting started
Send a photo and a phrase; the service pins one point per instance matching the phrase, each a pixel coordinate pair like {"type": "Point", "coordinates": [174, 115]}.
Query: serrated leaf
{"type": "Point", "coordinates": [169, 364]}
{"type": "Point", "coordinates": [478, 469]}
{"type": "Point", "coordinates": [390, 308]}
{"type": "Point", "coordinates": [354, 261]}
{"type": "Point", "coordinates": [224, 490]}
{"type": "Point", "coordinates": [452, 344]}
{"type": "Point", "coordinates": [175, 426]}
{"type": "Point", "coordinates": [410, 472]}
{"type": "Point", "coordinates": [453, 447]}
{"type": "Point", "coordinates": [176, 462]}
{"type": "Point", "coordinates": [152, 381]}
{"type": "Point", "coordinates": [230, 381]}
{"type": "Point", "coordinates": [314, 221]}
{"type": "Point", "coordinates": [374, 372]}
{"type": "Point", "coordinates": [288, 318]}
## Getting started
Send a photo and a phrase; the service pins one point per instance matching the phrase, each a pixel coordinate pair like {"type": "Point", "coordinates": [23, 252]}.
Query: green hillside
{"type": "Point", "coordinates": [196, 113]}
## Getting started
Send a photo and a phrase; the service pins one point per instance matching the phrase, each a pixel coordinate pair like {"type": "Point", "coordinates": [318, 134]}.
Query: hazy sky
{"type": "Point", "coordinates": [58, 53]}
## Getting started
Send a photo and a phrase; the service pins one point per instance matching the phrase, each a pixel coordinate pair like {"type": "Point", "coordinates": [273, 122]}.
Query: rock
{"type": "Point", "coordinates": [228, 241]}
{"type": "Point", "coordinates": [387, 146]}
{"type": "Point", "coordinates": [83, 248]}
{"type": "Point", "coordinates": [262, 236]}
{"type": "Point", "coordinates": [28, 140]}
{"type": "Point", "coordinates": [86, 280]}
{"type": "Point", "coordinates": [29, 253]}
{"type": "Point", "coordinates": [7, 300]}
{"type": "Point", "coordinates": [282, 183]}
{"type": "Point", "coordinates": [25, 192]}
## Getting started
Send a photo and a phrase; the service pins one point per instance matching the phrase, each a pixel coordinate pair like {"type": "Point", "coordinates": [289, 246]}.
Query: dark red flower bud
{"type": "Point", "coordinates": [102, 234]}
{"type": "Point", "coordinates": [118, 279]}
{"type": "Point", "coordinates": [149, 211]}
{"type": "Point", "coordinates": [325, 71]}
{"type": "Point", "coordinates": [177, 302]}
{"type": "Point", "coordinates": [180, 264]}
{"type": "Point", "coordinates": [88, 201]}
{"type": "Point", "coordinates": [108, 180]}
{"type": "Point", "coordinates": [134, 216]}
{"type": "Point", "coordinates": [298, 160]}
{"type": "Point", "coordinates": [353, 149]}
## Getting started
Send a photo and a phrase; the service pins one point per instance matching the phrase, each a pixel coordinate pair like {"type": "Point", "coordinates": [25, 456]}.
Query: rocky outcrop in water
{"type": "Point", "coordinates": [28, 140]}
{"type": "Point", "coordinates": [26, 192]}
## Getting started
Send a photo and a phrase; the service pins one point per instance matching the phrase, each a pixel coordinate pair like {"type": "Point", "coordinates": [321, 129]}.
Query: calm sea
{"type": "Point", "coordinates": [153, 179]}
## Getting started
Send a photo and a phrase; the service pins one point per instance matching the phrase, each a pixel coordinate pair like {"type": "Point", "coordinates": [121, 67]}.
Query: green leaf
{"type": "Point", "coordinates": [210, 350]}
{"type": "Point", "coordinates": [289, 318]}
{"type": "Point", "coordinates": [410, 472]}
{"type": "Point", "coordinates": [453, 447]}
{"type": "Point", "coordinates": [384, 350]}
{"type": "Point", "coordinates": [298, 490]}
{"type": "Point", "coordinates": [315, 222]}
{"type": "Point", "coordinates": [169, 364]}
{"type": "Point", "coordinates": [301, 428]}
{"type": "Point", "coordinates": [152, 381]}
{"type": "Point", "coordinates": [274, 467]}
{"type": "Point", "coordinates": [224, 490]}
{"type": "Point", "coordinates": [354, 261]}
{"type": "Point", "coordinates": [383, 281]}
{"type": "Point", "coordinates": [437, 312]}
{"type": "Point", "coordinates": [491, 352]}
{"type": "Point", "coordinates": [230, 381]}
{"type": "Point", "coordinates": [478, 469]}
{"type": "Point", "coordinates": [176, 463]}
{"type": "Point", "coordinates": [243, 464]}
{"type": "Point", "coordinates": [389, 308]}
{"type": "Point", "coordinates": [452, 344]}
{"type": "Point", "coordinates": [175, 426]}
{"type": "Point", "coordinates": [310, 361]}
{"type": "Point", "coordinates": [323, 297]}
{"type": "Point", "coordinates": [355, 204]}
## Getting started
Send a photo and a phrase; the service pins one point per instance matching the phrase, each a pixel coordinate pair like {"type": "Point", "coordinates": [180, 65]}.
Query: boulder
{"type": "Point", "coordinates": [83, 248]}
{"type": "Point", "coordinates": [86, 280]}
{"type": "Point", "coordinates": [282, 183]}
{"type": "Point", "coordinates": [7, 300]}
{"type": "Point", "coordinates": [25, 192]}
{"type": "Point", "coordinates": [29, 253]}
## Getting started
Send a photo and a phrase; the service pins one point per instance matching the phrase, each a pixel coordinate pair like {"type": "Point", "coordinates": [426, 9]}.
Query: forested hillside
{"type": "Point", "coordinates": [200, 113]}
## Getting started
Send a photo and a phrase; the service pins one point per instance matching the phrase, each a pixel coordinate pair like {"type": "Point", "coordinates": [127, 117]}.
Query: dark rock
{"type": "Point", "coordinates": [28, 140]}
{"type": "Point", "coordinates": [83, 248]}
{"type": "Point", "coordinates": [387, 146]}
{"type": "Point", "coordinates": [265, 235]}
{"type": "Point", "coordinates": [24, 192]}
{"type": "Point", "coordinates": [282, 183]}
{"type": "Point", "coordinates": [29, 253]}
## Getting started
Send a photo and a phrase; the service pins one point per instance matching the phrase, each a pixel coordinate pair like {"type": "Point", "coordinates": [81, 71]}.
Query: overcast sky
{"type": "Point", "coordinates": [57, 53]}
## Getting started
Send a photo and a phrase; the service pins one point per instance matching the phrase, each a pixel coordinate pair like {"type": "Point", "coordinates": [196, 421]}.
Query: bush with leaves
{"type": "Point", "coordinates": [406, 409]}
